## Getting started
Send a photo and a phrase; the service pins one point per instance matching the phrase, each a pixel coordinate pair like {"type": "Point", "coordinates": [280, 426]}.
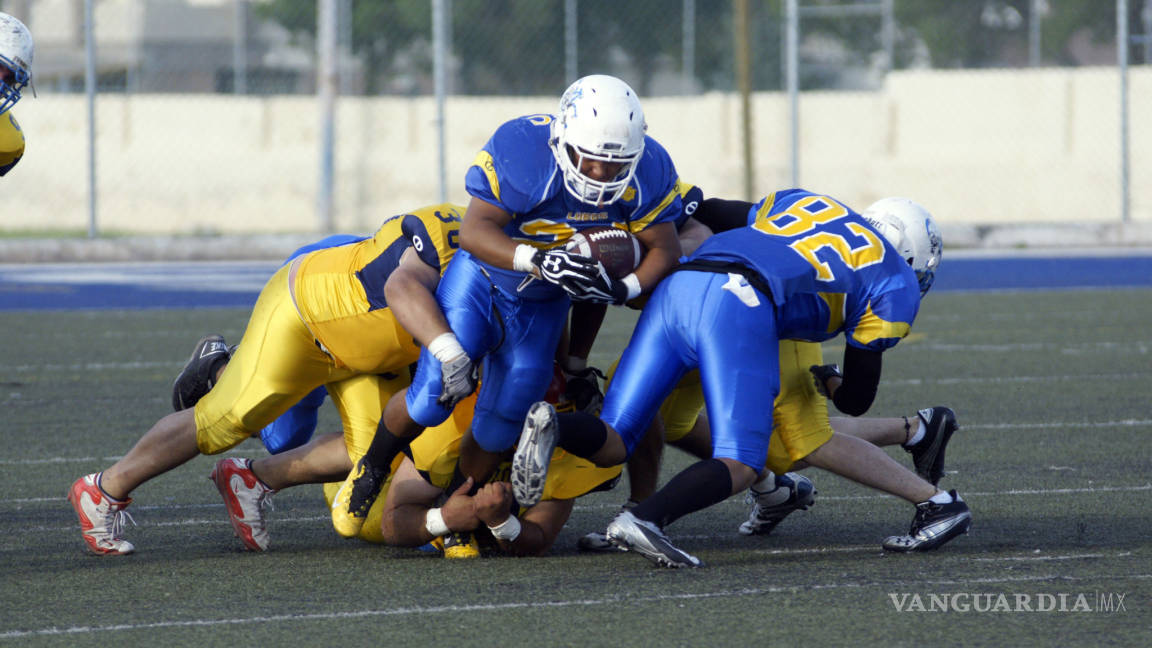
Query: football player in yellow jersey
{"type": "Point", "coordinates": [15, 75]}
{"type": "Point", "coordinates": [418, 479]}
{"type": "Point", "coordinates": [410, 515]}
{"type": "Point", "coordinates": [351, 318]}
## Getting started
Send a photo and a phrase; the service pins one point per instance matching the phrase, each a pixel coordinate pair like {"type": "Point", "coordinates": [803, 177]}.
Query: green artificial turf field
{"type": "Point", "coordinates": [1054, 456]}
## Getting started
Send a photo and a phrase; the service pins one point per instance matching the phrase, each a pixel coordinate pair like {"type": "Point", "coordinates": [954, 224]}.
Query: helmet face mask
{"type": "Point", "coordinates": [16, 57]}
{"type": "Point", "coordinates": [599, 120]}
{"type": "Point", "coordinates": [913, 232]}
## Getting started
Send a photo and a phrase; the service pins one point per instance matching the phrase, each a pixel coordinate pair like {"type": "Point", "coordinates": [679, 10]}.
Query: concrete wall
{"type": "Point", "coordinates": [977, 148]}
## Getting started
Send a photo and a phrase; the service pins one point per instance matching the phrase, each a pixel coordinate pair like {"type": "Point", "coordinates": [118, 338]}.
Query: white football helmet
{"type": "Point", "coordinates": [16, 55]}
{"type": "Point", "coordinates": [599, 119]}
{"type": "Point", "coordinates": [911, 230]}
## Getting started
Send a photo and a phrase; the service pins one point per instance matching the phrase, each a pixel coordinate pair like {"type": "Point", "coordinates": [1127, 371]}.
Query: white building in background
{"type": "Point", "coordinates": [161, 46]}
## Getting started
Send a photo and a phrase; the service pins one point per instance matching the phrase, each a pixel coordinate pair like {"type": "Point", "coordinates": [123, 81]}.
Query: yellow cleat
{"type": "Point", "coordinates": [461, 545]}
{"type": "Point", "coordinates": [352, 502]}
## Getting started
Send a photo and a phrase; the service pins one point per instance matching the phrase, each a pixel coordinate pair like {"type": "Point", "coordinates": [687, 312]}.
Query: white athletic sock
{"type": "Point", "coordinates": [767, 484]}
{"type": "Point", "coordinates": [920, 431]}
{"type": "Point", "coordinates": [941, 497]}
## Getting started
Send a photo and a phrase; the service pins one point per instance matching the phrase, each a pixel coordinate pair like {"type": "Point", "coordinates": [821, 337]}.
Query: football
{"type": "Point", "coordinates": [617, 249]}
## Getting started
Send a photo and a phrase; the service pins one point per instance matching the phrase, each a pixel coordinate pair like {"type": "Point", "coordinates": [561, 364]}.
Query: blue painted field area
{"type": "Point", "coordinates": [131, 286]}
{"type": "Point", "coordinates": [206, 285]}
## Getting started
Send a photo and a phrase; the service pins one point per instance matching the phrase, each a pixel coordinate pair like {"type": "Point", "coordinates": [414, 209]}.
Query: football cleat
{"type": "Point", "coordinates": [928, 453]}
{"type": "Point", "coordinates": [534, 453]}
{"type": "Point", "coordinates": [645, 538]}
{"type": "Point", "coordinates": [352, 502]}
{"type": "Point", "coordinates": [199, 374]}
{"type": "Point", "coordinates": [598, 541]}
{"type": "Point", "coordinates": [461, 544]}
{"type": "Point", "coordinates": [933, 525]}
{"type": "Point", "coordinates": [101, 517]}
{"type": "Point", "coordinates": [245, 498]}
{"type": "Point", "coordinates": [792, 492]}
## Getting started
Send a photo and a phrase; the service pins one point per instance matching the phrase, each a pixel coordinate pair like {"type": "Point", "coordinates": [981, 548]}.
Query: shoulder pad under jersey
{"type": "Point", "coordinates": [515, 170]}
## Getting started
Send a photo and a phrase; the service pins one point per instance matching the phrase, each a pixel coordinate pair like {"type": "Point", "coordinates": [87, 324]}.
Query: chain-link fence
{"type": "Point", "coordinates": [205, 117]}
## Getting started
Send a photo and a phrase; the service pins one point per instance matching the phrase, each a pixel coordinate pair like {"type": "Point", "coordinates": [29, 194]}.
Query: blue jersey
{"type": "Point", "coordinates": [516, 172]}
{"type": "Point", "coordinates": [828, 270]}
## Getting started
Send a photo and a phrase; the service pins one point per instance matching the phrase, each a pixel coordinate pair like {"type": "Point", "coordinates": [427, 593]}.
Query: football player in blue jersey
{"type": "Point", "coordinates": [807, 268]}
{"type": "Point", "coordinates": [15, 74]}
{"type": "Point", "coordinates": [538, 180]}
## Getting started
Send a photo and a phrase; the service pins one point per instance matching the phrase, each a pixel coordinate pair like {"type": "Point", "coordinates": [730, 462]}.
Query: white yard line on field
{"type": "Point", "coordinates": [498, 607]}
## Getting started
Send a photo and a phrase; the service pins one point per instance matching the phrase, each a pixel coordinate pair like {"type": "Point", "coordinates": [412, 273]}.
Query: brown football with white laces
{"type": "Point", "coordinates": [617, 249]}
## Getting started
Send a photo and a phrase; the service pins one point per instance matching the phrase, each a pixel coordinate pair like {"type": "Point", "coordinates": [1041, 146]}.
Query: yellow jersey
{"type": "Point", "coordinates": [339, 291]}
{"type": "Point", "coordinates": [11, 142]}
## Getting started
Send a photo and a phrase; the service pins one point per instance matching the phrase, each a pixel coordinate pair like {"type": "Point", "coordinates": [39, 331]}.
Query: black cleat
{"type": "Point", "coordinates": [928, 453]}
{"type": "Point", "coordinates": [934, 525]}
{"type": "Point", "coordinates": [199, 374]}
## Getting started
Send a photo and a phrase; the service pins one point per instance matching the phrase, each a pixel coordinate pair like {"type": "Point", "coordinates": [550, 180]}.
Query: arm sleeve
{"type": "Point", "coordinates": [723, 215]}
{"type": "Point", "coordinates": [861, 378]}
{"type": "Point", "coordinates": [418, 236]}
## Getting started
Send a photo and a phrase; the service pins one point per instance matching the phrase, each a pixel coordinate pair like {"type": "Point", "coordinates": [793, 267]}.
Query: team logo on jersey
{"type": "Point", "coordinates": [587, 217]}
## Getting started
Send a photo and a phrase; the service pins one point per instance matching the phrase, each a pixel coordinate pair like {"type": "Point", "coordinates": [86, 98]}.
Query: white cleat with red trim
{"type": "Point", "coordinates": [245, 497]}
{"type": "Point", "coordinates": [101, 517]}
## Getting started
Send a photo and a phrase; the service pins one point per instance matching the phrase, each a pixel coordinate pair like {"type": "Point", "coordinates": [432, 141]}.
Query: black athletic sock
{"type": "Point", "coordinates": [384, 448]}
{"type": "Point", "coordinates": [580, 433]}
{"type": "Point", "coordinates": [697, 487]}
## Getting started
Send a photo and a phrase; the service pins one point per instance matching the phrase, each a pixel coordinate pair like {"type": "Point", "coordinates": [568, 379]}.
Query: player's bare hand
{"type": "Point", "coordinates": [458, 511]}
{"type": "Point", "coordinates": [827, 378]}
{"type": "Point", "coordinates": [493, 503]}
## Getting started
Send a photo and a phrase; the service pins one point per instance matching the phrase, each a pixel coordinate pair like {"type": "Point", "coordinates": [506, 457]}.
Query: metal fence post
{"type": "Point", "coordinates": [792, 76]}
{"type": "Point", "coordinates": [1122, 62]}
{"type": "Point", "coordinates": [90, 92]}
{"type": "Point", "coordinates": [571, 32]}
{"type": "Point", "coordinates": [439, 82]}
{"type": "Point", "coordinates": [326, 93]}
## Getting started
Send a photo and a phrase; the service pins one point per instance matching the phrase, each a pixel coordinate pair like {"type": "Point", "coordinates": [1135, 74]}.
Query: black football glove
{"type": "Point", "coordinates": [564, 268]}
{"type": "Point", "coordinates": [583, 390]}
{"type": "Point", "coordinates": [821, 374]}
{"type": "Point", "coordinates": [458, 379]}
{"type": "Point", "coordinates": [599, 289]}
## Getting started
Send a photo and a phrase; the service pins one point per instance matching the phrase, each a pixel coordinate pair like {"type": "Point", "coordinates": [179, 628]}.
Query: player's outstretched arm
{"type": "Point", "coordinates": [853, 391]}
{"type": "Point", "coordinates": [411, 294]}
